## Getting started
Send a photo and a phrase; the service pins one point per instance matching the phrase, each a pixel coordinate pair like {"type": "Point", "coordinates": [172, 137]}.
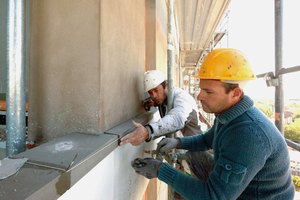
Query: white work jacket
{"type": "Point", "coordinates": [184, 116]}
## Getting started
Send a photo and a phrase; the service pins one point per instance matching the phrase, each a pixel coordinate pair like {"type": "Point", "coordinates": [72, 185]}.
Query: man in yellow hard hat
{"type": "Point", "coordinates": [251, 158]}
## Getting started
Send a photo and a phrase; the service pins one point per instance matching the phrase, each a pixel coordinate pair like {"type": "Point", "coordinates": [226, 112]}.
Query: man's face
{"type": "Point", "coordinates": [158, 94]}
{"type": "Point", "coordinates": [213, 97]}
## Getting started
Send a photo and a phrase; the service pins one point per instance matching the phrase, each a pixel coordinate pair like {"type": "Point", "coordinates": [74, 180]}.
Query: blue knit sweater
{"type": "Point", "coordinates": [252, 159]}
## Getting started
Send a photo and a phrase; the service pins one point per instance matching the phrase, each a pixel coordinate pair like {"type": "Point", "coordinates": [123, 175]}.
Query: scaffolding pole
{"type": "Point", "coordinates": [170, 63]}
{"type": "Point", "coordinates": [15, 91]}
{"type": "Point", "coordinates": [170, 55]}
{"type": "Point", "coordinates": [279, 100]}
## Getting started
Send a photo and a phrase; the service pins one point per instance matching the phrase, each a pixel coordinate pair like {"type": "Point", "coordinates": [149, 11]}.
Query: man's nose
{"type": "Point", "coordinates": [200, 96]}
{"type": "Point", "coordinates": [154, 95]}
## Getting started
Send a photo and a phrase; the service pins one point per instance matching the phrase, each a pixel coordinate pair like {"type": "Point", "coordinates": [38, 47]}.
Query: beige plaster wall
{"type": "Point", "coordinates": [122, 58]}
{"type": "Point", "coordinates": [86, 65]}
{"type": "Point", "coordinates": [87, 62]}
{"type": "Point", "coordinates": [161, 36]}
{"type": "Point", "coordinates": [156, 35]}
{"type": "Point", "coordinates": [150, 26]}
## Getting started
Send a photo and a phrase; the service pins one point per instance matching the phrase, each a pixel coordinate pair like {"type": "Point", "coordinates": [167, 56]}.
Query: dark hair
{"type": "Point", "coordinates": [164, 84]}
{"type": "Point", "coordinates": [230, 86]}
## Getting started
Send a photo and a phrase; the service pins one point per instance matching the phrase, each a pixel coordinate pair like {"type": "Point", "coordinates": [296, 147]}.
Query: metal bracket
{"type": "Point", "coordinates": [270, 79]}
{"type": "Point", "coordinates": [169, 157]}
{"type": "Point", "coordinates": [173, 157]}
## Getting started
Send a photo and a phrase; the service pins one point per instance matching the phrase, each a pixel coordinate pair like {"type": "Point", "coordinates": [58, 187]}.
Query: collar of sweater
{"type": "Point", "coordinates": [245, 104]}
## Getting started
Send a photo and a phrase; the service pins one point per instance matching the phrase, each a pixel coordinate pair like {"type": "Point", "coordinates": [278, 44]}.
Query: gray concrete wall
{"type": "Point", "coordinates": [86, 65]}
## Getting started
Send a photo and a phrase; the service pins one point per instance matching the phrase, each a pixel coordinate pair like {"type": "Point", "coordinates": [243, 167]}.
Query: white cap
{"type": "Point", "coordinates": [153, 78]}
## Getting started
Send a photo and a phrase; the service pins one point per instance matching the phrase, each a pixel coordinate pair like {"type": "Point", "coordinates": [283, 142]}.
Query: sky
{"type": "Point", "coordinates": [251, 29]}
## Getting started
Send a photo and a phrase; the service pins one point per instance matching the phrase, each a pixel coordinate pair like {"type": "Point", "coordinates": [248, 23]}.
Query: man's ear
{"type": "Point", "coordinates": [236, 93]}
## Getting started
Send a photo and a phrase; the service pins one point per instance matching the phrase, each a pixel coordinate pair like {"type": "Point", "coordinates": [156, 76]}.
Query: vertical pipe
{"type": "Point", "coordinates": [189, 84]}
{"type": "Point", "coordinates": [170, 63]}
{"type": "Point", "coordinates": [170, 55]}
{"type": "Point", "coordinates": [15, 92]}
{"type": "Point", "coordinates": [279, 100]}
{"type": "Point", "coordinates": [227, 31]}
{"type": "Point", "coordinates": [180, 73]}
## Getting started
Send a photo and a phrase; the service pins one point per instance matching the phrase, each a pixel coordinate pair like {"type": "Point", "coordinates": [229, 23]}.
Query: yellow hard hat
{"type": "Point", "coordinates": [226, 64]}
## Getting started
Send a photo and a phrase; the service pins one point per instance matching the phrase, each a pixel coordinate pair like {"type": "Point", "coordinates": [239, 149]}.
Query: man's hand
{"type": "Point", "coordinates": [147, 167]}
{"type": "Point", "coordinates": [148, 104]}
{"type": "Point", "coordinates": [167, 144]}
{"type": "Point", "coordinates": [136, 137]}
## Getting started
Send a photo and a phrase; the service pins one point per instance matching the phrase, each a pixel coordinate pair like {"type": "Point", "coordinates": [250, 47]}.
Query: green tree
{"type": "Point", "coordinates": [292, 130]}
{"type": "Point", "coordinates": [265, 109]}
{"type": "Point", "coordinates": [294, 105]}
{"type": "Point", "coordinates": [296, 113]}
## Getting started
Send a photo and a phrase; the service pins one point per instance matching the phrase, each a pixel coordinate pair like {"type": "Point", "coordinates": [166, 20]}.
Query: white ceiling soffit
{"type": "Point", "coordinates": [197, 21]}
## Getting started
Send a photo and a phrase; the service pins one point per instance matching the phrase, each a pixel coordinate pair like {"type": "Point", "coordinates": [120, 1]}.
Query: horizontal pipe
{"type": "Point", "coordinates": [280, 72]}
{"type": "Point", "coordinates": [292, 144]}
{"type": "Point", "coordinates": [3, 106]}
{"type": "Point", "coordinates": [263, 75]}
{"type": "Point", "coordinates": [188, 66]}
{"type": "Point", "coordinates": [288, 70]}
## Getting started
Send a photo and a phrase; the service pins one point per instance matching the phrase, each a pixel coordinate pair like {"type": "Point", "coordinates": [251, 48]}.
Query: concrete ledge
{"type": "Point", "coordinates": [127, 126]}
{"type": "Point", "coordinates": [48, 173]}
{"type": "Point", "coordinates": [56, 166]}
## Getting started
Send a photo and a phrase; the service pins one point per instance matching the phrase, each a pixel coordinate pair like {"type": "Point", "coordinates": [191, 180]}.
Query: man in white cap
{"type": "Point", "coordinates": [184, 116]}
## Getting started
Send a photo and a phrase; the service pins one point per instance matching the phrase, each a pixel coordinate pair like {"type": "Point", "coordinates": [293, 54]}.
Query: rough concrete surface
{"type": "Point", "coordinates": [2, 134]}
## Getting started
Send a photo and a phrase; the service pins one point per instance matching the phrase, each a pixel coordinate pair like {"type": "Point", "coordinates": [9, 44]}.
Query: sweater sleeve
{"type": "Point", "coordinates": [200, 142]}
{"type": "Point", "coordinates": [176, 118]}
{"type": "Point", "coordinates": [240, 160]}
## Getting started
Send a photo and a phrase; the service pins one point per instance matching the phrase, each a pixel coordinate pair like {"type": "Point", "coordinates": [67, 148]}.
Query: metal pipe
{"type": "Point", "coordinates": [288, 70]}
{"type": "Point", "coordinates": [15, 91]}
{"type": "Point", "coordinates": [280, 72]}
{"type": "Point", "coordinates": [227, 31]}
{"type": "Point", "coordinates": [170, 55]}
{"type": "Point", "coordinates": [189, 84]}
{"type": "Point", "coordinates": [292, 144]}
{"type": "Point", "coordinates": [170, 63]}
{"type": "Point", "coordinates": [180, 73]}
{"type": "Point", "coordinates": [279, 100]}
{"type": "Point", "coordinates": [264, 74]}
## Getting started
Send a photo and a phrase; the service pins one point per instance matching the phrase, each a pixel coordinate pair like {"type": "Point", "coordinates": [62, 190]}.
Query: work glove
{"type": "Point", "coordinates": [147, 167]}
{"type": "Point", "coordinates": [167, 144]}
